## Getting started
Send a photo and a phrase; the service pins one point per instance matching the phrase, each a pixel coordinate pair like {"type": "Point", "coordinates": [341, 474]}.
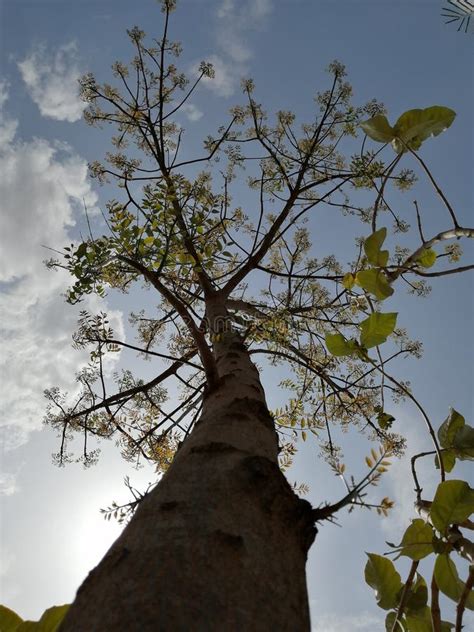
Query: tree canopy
{"type": "Point", "coordinates": [219, 267]}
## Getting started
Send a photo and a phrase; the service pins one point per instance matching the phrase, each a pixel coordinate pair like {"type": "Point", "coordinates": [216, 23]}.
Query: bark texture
{"type": "Point", "coordinates": [221, 543]}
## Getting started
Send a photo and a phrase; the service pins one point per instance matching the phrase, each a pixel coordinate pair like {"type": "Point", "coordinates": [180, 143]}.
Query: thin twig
{"type": "Point", "coordinates": [463, 598]}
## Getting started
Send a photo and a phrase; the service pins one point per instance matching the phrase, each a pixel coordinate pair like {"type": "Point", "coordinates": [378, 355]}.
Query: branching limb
{"type": "Point", "coordinates": [325, 513]}
{"type": "Point", "coordinates": [205, 353]}
{"type": "Point", "coordinates": [127, 394]}
{"type": "Point", "coordinates": [454, 233]}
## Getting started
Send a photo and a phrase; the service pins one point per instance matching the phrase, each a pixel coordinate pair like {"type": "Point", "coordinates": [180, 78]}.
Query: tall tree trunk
{"type": "Point", "coordinates": [221, 542]}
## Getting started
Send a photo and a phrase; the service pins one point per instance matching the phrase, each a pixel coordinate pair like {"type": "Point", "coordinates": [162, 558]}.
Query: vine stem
{"type": "Point", "coordinates": [463, 598]}
{"type": "Point", "coordinates": [435, 611]}
{"type": "Point", "coordinates": [404, 596]}
{"type": "Point", "coordinates": [428, 423]}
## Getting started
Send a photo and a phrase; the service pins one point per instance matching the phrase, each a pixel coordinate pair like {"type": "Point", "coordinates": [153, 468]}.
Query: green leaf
{"type": "Point", "coordinates": [184, 258]}
{"type": "Point", "coordinates": [463, 443]}
{"type": "Point", "coordinates": [417, 541]}
{"type": "Point", "coordinates": [49, 622]}
{"type": "Point", "coordinates": [375, 282]}
{"type": "Point", "coordinates": [338, 346]}
{"type": "Point", "coordinates": [421, 621]}
{"type": "Point", "coordinates": [448, 429]}
{"type": "Point", "coordinates": [415, 126]}
{"type": "Point", "coordinates": [378, 128]}
{"type": "Point", "coordinates": [417, 595]}
{"type": "Point", "coordinates": [9, 620]}
{"type": "Point", "coordinates": [385, 420]}
{"type": "Point", "coordinates": [390, 620]}
{"type": "Point", "coordinates": [82, 250]}
{"type": "Point", "coordinates": [372, 246]}
{"type": "Point", "coordinates": [427, 258]}
{"type": "Point", "coordinates": [453, 503]}
{"type": "Point", "coordinates": [457, 436]}
{"type": "Point", "coordinates": [448, 580]}
{"type": "Point", "coordinates": [449, 460]}
{"type": "Point", "coordinates": [148, 241]}
{"type": "Point", "coordinates": [376, 328]}
{"type": "Point", "coordinates": [381, 575]}
{"type": "Point", "coordinates": [348, 281]}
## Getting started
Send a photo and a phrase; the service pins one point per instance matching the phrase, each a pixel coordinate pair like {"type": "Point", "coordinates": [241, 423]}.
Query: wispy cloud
{"type": "Point", "coordinates": [364, 622]}
{"type": "Point", "coordinates": [192, 112]}
{"type": "Point", "coordinates": [225, 77]}
{"type": "Point", "coordinates": [43, 185]}
{"type": "Point", "coordinates": [250, 10]}
{"type": "Point", "coordinates": [234, 21]}
{"type": "Point", "coordinates": [398, 480]}
{"type": "Point", "coordinates": [8, 126]}
{"type": "Point", "coordinates": [8, 485]}
{"type": "Point", "coordinates": [52, 81]}
{"type": "Point", "coordinates": [9, 588]}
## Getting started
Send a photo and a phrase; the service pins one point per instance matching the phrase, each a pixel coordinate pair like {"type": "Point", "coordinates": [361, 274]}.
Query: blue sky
{"type": "Point", "coordinates": [399, 52]}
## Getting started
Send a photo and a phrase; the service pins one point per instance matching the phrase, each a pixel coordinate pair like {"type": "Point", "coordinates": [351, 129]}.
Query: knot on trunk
{"type": "Point", "coordinates": [263, 477]}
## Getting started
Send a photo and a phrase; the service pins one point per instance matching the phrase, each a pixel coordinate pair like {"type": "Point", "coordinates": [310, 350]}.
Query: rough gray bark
{"type": "Point", "coordinates": [221, 543]}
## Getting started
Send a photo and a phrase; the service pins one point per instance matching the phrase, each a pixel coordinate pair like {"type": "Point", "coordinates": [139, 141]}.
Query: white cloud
{"type": "Point", "coordinates": [192, 112]}
{"type": "Point", "coordinates": [51, 80]}
{"type": "Point", "coordinates": [225, 8]}
{"type": "Point", "coordinates": [230, 41]}
{"type": "Point", "coordinates": [258, 9]}
{"type": "Point", "coordinates": [42, 184]}
{"type": "Point", "coordinates": [234, 22]}
{"type": "Point", "coordinates": [250, 10]}
{"type": "Point", "coordinates": [364, 622]}
{"type": "Point", "coordinates": [399, 481]}
{"type": "Point", "coordinates": [8, 484]}
{"type": "Point", "coordinates": [225, 76]}
{"type": "Point", "coordinates": [9, 588]}
{"type": "Point", "coordinates": [8, 126]}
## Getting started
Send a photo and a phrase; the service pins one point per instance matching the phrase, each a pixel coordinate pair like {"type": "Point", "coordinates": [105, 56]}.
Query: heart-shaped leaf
{"type": "Point", "coordinates": [417, 595]}
{"type": "Point", "coordinates": [415, 126]}
{"type": "Point", "coordinates": [338, 346]}
{"type": "Point", "coordinates": [448, 429]}
{"type": "Point", "coordinates": [427, 258]}
{"type": "Point", "coordinates": [449, 460]}
{"type": "Point", "coordinates": [378, 128]}
{"type": "Point", "coordinates": [463, 443]}
{"type": "Point", "coordinates": [390, 621]}
{"type": "Point", "coordinates": [457, 437]}
{"type": "Point", "coordinates": [417, 541]}
{"type": "Point", "coordinates": [375, 282]}
{"type": "Point", "coordinates": [372, 246]}
{"type": "Point", "coordinates": [449, 582]}
{"type": "Point", "coordinates": [376, 328]}
{"type": "Point", "coordinates": [348, 281]}
{"type": "Point", "coordinates": [453, 504]}
{"type": "Point", "coordinates": [381, 575]}
{"type": "Point", "coordinates": [9, 620]}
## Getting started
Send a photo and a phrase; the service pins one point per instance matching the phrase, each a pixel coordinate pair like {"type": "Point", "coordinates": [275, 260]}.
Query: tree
{"type": "Point", "coordinates": [221, 541]}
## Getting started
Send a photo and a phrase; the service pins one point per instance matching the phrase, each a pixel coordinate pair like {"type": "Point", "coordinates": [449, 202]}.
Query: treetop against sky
{"type": "Point", "coordinates": [44, 144]}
